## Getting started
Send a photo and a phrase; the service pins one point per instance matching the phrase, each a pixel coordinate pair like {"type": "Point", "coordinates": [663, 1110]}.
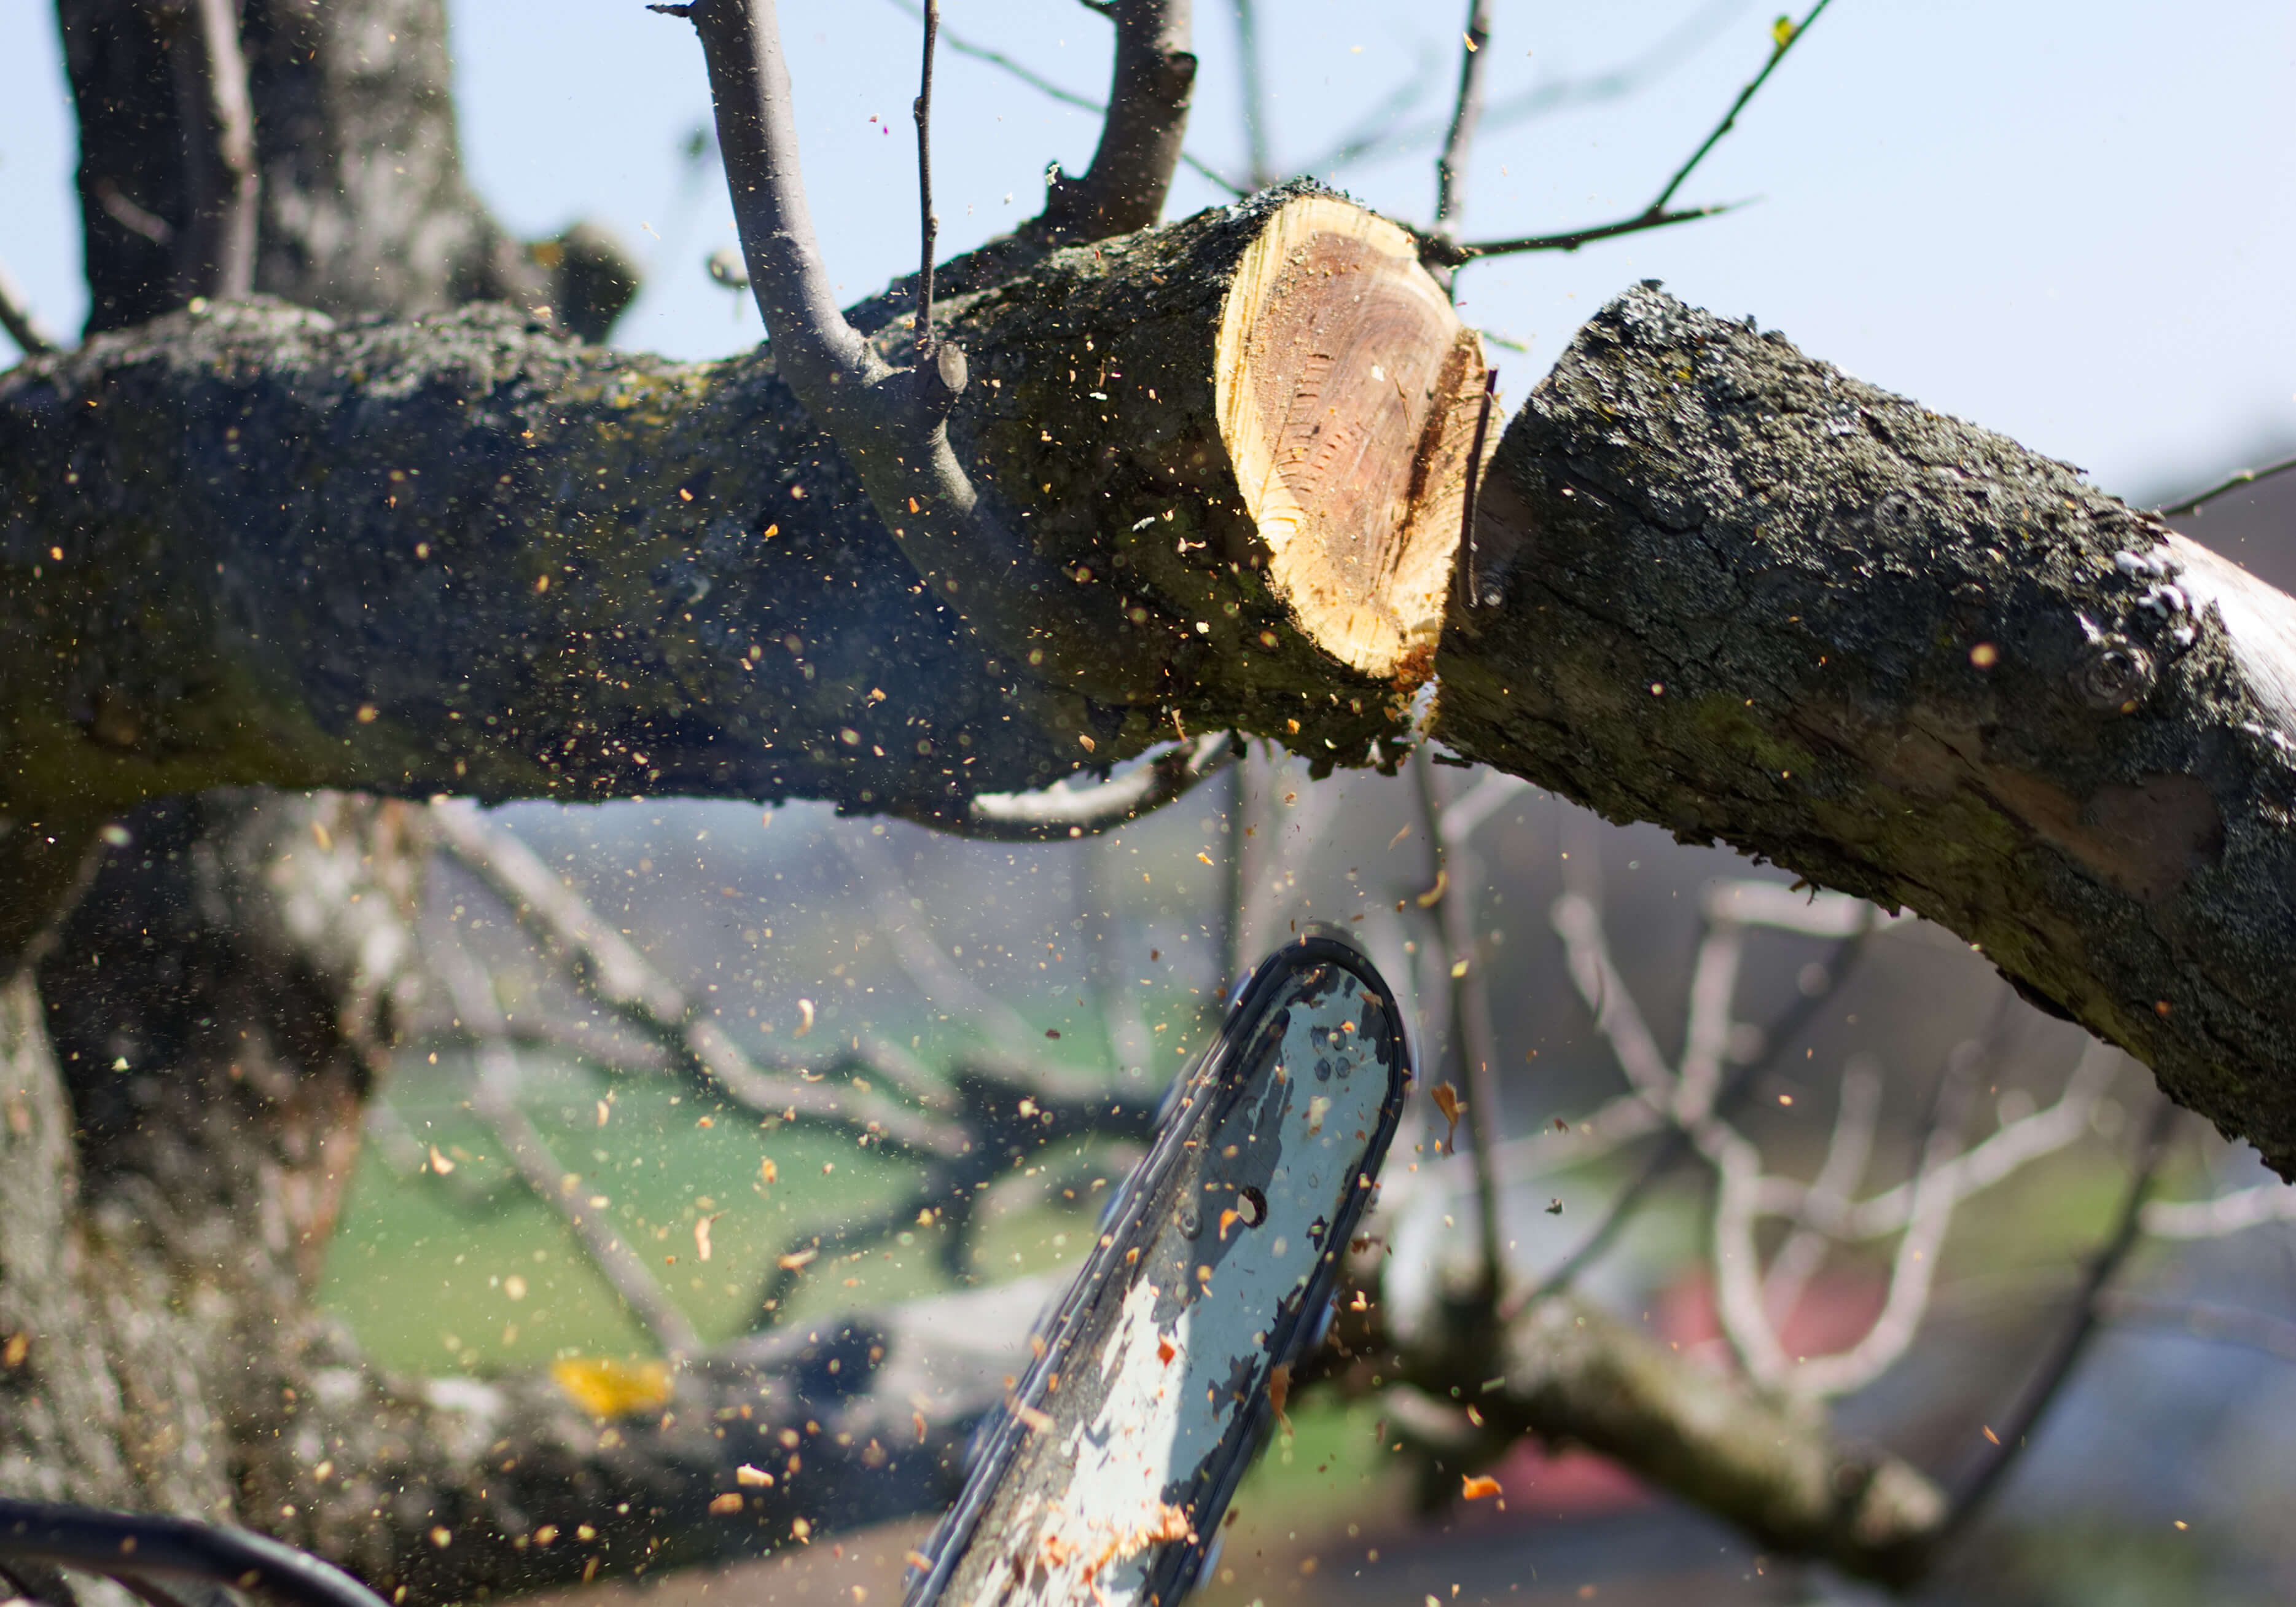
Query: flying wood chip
{"type": "Point", "coordinates": [1213, 1274]}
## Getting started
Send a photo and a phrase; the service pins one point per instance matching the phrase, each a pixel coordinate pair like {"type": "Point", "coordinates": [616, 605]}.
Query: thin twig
{"type": "Point", "coordinates": [1150, 88]}
{"type": "Point", "coordinates": [1452, 867]}
{"type": "Point", "coordinates": [2065, 1355]}
{"type": "Point", "coordinates": [1785, 36]}
{"type": "Point", "coordinates": [1466, 111]}
{"type": "Point", "coordinates": [217, 254]}
{"type": "Point", "coordinates": [1382, 127]}
{"type": "Point", "coordinates": [16, 317]}
{"type": "Point", "coordinates": [1262, 164]}
{"type": "Point", "coordinates": [612, 970]}
{"type": "Point", "coordinates": [1439, 249]}
{"type": "Point", "coordinates": [928, 225]}
{"type": "Point", "coordinates": [1475, 479]}
{"type": "Point", "coordinates": [494, 1101]}
{"type": "Point", "coordinates": [2246, 477]}
{"type": "Point", "coordinates": [2232, 1213]}
{"type": "Point", "coordinates": [1455, 253]}
{"type": "Point", "coordinates": [963, 46]}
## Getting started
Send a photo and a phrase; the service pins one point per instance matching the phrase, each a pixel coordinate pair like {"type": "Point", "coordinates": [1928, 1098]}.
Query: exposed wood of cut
{"type": "Point", "coordinates": [469, 555]}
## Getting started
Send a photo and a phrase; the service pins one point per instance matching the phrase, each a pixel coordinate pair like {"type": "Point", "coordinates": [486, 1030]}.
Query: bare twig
{"type": "Point", "coordinates": [16, 317]}
{"type": "Point", "coordinates": [1149, 92]}
{"type": "Point", "coordinates": [2246, 477]}
{"type": "Point", "coordinates": [1784, 37]}
{"type": "Point", "coordinates": [890, 423]}
{"type": "Point", "coordinates": [494, 1101]}
{"type": "Point", "coordinates": [1382, 127]}
{"type": "Point", "coordinates": [928, 225]}
{"type": "Point", "coordinates": [2065, 1355]}
{"type": "Point", "coordinates": [1439, 249]}
{"type": "Point", "coordinates": [612, 972]}
{"type": "Point", "coordinates": [1063, 810]}
{"type": "Point", "coordinates": [1913, 1271]}
{"type": "Point", "coordinates": [2232, 1213]}
{"type": "Point", "coordinates": [1847, 1153]}
{"type": "Point", "coordinates": [1261, 163]}
{"type": "Point", "coordinates": [1451, 865]}
{"type": "Point", "coordinates": [1466, 112]}
{"type": "Point", "coordinates": [217, 254]}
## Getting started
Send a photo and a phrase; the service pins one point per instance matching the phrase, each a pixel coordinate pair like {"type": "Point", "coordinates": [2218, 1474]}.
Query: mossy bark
{"type": "Point", "coordinates": [1726, 587]}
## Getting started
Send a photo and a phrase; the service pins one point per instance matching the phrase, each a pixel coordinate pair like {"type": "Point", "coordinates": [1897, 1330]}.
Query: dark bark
{"type": "Point", "coordinates": [1730, 590]}
{"type": "Point", "coordinates": [466, 555]}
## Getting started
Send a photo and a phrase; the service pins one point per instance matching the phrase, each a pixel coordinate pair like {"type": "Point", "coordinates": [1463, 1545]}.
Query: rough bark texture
{"type": "Point", "coordinates": [1729, 589]}
{"type": "Point", "coordinates": [468, 555]}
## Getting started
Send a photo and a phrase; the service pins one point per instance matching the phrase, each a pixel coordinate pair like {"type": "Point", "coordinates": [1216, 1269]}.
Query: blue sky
{"type": "Point", "coordinates": [2073, 225]}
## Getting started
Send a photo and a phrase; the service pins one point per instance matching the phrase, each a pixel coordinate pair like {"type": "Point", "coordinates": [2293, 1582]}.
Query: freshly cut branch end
{"type": "Point", "coordinates": [1347, 394]}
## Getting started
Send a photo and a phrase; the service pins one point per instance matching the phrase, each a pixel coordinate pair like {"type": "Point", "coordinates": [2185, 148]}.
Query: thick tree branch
{"type": "Point", "coordinates": [1749, 598]}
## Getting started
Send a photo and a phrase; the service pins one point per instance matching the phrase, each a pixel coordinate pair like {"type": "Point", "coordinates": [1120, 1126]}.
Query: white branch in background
{"type": "Point", "coordinates": [613, 971]}
{"type": "Point", "coordinates": [2012, 1146]}
{"type": "Point", "coordinates": [2236, 1212]}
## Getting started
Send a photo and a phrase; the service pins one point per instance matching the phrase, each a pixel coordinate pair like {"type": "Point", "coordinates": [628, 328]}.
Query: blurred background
{"type": "Point", "coordinates": [2069, 227]}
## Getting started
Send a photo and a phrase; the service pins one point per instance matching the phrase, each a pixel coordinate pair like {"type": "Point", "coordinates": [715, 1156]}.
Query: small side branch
{"type": "Point", "coordinates": [1062, 811]}
{"type": "Point", "coordinates": [928, 225]}
{"type": "Point", "coordinates": [1439, 248]}
{"type": "Point", "coordinates": [891, 424]}
{"type": "Point", "coordinates": [2087, 1312]}
{"type": "Point", "coordinates": [1148, 98]}
{"type": "Point", "coordinates": [2246, 477]}
{"type": "Point", "coordinates": [17, 317]}
{"type": "Point", "coordinates": [1466, 113]}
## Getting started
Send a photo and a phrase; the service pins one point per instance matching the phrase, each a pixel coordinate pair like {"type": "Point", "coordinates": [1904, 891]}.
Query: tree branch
{"type": "Point", "coordinates": [494, 1100]}
{"type": "Point", "coordinates": [892, 423]}
{"type": "Point", "coordinates": [2065, 1355]}
{"type": "Point", "coordinates": [1252, 88]}
{"type": "Point", "coordinates": [1149, 90]}
{"type": "Point", "coordinates": [17, 317]}
{"type": "Point", "coordinates": [1466, 112]}
{"type": "Point", "coordinates": [2191, 505]}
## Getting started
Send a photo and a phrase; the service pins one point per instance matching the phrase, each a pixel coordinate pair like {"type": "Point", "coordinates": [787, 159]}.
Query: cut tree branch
{"type": "Point", "coordinates": [216, 255]}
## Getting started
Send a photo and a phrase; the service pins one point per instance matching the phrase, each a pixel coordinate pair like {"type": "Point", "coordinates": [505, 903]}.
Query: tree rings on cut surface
{"type": "Point", "coordinates": [1347, 389]}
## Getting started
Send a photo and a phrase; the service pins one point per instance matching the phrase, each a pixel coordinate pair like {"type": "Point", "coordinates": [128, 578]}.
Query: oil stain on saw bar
{"type": "Point", "coordinates": [1105, 1479]}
